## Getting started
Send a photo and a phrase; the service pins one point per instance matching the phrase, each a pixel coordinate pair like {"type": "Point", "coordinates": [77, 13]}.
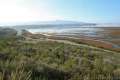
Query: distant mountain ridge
{"type": "Point", "coordinates": [61, 22]}
{"type": "Point", "coordinates": [55, 22]}
{"type": "Point", "coordinates": [38, 24]}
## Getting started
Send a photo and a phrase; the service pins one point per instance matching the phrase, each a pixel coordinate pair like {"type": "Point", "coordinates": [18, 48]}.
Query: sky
{"type": "Point", "coordinates": [100, 11]}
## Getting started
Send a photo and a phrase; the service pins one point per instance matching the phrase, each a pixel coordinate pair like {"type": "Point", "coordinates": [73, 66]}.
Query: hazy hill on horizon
{"type": "Point", "coordinates": [54, 22]}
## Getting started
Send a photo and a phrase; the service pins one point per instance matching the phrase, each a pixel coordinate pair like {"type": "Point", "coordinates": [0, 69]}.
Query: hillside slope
{"type": "Point", "coordinates": [51, 60]}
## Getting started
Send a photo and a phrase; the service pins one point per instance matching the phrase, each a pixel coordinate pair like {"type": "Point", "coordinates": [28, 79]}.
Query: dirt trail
{"type": "Point", "coordinates": [66, 42]}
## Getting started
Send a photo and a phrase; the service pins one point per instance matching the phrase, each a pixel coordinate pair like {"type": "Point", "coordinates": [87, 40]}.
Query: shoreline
{"type": "Point", "coordinates": [107, 38]}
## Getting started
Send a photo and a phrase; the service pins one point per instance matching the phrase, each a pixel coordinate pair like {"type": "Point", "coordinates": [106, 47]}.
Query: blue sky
{"type": "Point", "coordinates": [88, 10]}
{"type": "Point", "coordinates": [101, 11]}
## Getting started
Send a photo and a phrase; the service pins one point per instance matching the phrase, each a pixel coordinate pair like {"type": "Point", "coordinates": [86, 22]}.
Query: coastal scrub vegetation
{"type": "Point", "coordinates": [50, 60]}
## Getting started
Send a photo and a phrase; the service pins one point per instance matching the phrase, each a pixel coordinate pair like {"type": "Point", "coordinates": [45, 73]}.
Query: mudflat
{"type": "Point", "coordinates": [104, 37]}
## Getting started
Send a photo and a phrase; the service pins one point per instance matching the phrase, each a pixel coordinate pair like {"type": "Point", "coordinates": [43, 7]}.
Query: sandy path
{"type": "Point", "coordinates": [66, 42]}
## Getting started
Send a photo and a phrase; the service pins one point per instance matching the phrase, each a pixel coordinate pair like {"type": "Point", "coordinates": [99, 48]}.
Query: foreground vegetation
{"type": "Point", "coordinates": [49, 60]}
